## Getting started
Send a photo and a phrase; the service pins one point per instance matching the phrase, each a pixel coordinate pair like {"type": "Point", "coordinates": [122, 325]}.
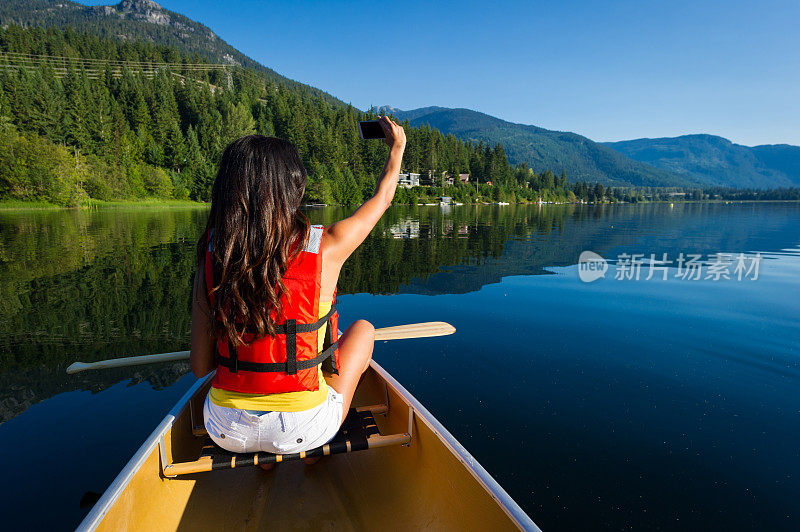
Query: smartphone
{"type": "Point", "coordinates": [371, 129]}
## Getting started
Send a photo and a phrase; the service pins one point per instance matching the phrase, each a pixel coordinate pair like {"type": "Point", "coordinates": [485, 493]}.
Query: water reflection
{"type": "Point", "coordinates": [90, 285]}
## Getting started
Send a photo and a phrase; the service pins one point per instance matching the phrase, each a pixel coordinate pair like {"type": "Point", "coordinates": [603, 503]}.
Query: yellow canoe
{"type": "Point", "coordinates": [430, 482]}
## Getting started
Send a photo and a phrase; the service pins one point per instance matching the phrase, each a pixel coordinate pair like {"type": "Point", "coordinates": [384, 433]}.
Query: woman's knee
{"type": "Point", "coordinates": [364, 329]}
{"type": "Point", "coordinates": [360, 341]}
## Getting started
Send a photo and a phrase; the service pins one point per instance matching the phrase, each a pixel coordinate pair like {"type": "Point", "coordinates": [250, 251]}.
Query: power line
{"type": "Point", "coordinates": [95, 68]}
{"type": "Point", "coordinates": [43, 58]}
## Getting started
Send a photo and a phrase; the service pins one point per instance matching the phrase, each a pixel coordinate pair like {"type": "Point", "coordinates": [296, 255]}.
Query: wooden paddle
{"type": "Point", "coordinates": [398, 332]}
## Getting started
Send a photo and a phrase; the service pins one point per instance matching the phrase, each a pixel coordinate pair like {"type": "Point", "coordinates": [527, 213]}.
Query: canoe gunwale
{"type": "Point", "coordinates": [418, 410]}
{"type": "Point", "coordinates": [118, 485]}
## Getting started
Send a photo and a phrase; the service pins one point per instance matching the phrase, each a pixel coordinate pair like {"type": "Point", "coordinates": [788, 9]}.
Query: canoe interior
{"type": "Point", "coordinates": [391, 488]}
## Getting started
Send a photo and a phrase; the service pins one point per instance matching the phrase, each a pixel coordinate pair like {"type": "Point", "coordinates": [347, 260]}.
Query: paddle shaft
{"type": "Point", "coordinates": [398, 332]}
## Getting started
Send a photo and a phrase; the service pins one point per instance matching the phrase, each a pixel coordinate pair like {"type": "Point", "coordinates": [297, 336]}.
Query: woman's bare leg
{"type": "Point", "coordinates": [355, 352]}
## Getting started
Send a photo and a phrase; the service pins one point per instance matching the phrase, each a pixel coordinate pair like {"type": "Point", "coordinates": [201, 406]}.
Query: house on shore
{"type": "Point", "coordinates": [408, 180]}
{"type": "Point", "coordinates": [430, 179]}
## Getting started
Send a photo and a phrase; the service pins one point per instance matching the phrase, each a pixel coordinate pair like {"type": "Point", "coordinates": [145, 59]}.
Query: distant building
{"type": "Point", "coordinates": [445, 200]}
{"type": "Point", "coordinates": [431, 179]}
{"type": "Point", "coordinates": [408, 180]}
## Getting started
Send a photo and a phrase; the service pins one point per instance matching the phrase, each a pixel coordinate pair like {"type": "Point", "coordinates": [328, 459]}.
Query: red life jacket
{"type": "Point", "coordinates": [286, 362]}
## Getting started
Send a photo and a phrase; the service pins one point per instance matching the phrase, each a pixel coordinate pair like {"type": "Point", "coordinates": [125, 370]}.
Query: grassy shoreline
{"type": "Point", "coordinates": [11, 205]}
{"type": "Point", "coordinates": [155, 203]}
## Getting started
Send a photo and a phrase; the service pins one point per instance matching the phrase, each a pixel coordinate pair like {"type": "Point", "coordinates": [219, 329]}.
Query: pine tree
{"type": "Point", "coordinates": [238, 122]}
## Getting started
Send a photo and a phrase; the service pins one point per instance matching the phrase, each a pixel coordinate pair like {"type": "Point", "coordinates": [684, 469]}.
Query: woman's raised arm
{"type": "Point", "coordinates": [343, 237]}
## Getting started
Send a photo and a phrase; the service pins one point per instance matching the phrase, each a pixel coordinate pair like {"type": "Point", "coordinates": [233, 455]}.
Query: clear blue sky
{"type": "Point", "coordinates": [608, 70]}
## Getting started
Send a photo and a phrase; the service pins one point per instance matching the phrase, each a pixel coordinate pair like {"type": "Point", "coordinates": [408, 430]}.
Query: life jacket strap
{"type": "Point", "coordinates": [291, 347]}
{"type": "Point", "coordinates": [266, 367]}
{"type": "Point", "coordinates": [232, 361]}
{"type": "Point", "coordinates": [305, 327]}
{"type": "Point", "coordinates": [300, 327]}
{"type": "Point", "coordinates": [329, 365]}
{"type": "Point", "coordinates": [234, 354]}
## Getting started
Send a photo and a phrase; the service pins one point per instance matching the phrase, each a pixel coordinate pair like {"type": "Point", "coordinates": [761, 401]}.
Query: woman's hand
{"type": "Point", "coordinates": [395, 134]}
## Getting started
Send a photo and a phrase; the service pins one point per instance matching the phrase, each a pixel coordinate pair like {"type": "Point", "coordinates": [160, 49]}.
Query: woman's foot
{"type": "Point", "coordinates": [267, 467]}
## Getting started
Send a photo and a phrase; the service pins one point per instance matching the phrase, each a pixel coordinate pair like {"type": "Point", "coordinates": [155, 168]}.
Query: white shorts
{"type": "Point", "coordinates": [250, 431]}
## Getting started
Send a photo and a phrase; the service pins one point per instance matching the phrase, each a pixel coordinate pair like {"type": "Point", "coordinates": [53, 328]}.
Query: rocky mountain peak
{"type": "Point", "coordinates": [144, 10]}
{"type": "Point", "coordinates": [138, 5]}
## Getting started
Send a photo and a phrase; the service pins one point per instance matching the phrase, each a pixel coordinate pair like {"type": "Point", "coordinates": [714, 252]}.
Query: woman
{"type": "Point", "coordinates": [263, 311]}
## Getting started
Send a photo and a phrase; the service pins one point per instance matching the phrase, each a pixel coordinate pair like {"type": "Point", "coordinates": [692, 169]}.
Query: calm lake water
{"type": "Point", "coordinates": [643, 404]}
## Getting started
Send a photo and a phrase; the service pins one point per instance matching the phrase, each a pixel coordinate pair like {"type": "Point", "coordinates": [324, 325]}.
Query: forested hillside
{"type": "Point", "coordinates": [72, 130]}
{"type": "Point", "coordinates": [541, 149]}
{"type": "Point", "coordinates": [716, 161]}
{"type": "Point", "coordinates": [139, 20]}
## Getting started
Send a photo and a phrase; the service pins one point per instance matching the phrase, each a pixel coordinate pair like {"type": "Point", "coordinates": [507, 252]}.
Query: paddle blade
{"type": "Point", "coordinates": [414, 330]}
{"type": "Point", "coordinates": [76, 367]}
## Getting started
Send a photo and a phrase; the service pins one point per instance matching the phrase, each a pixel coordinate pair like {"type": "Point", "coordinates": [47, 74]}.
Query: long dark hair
{"type": "Point", "coordinates": [258, 231]}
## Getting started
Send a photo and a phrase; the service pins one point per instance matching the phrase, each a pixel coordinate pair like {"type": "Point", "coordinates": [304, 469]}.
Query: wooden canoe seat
{"type": "Point", "coordinates": [357, 433]}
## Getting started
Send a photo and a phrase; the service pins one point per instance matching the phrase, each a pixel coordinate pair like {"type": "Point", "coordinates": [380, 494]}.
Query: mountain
{"type": "Point", "coordinates": [542, 149]}
{"type": "Point", "coordinates": [692, 160]}
{"type": "Point", "coordinates": [139, 20]}
{"type": "Point", "coordinates": [716, 161]}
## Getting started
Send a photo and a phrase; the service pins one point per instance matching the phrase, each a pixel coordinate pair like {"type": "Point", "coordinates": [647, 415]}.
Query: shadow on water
{"type": "Point", "coordinates": [78, 285]}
